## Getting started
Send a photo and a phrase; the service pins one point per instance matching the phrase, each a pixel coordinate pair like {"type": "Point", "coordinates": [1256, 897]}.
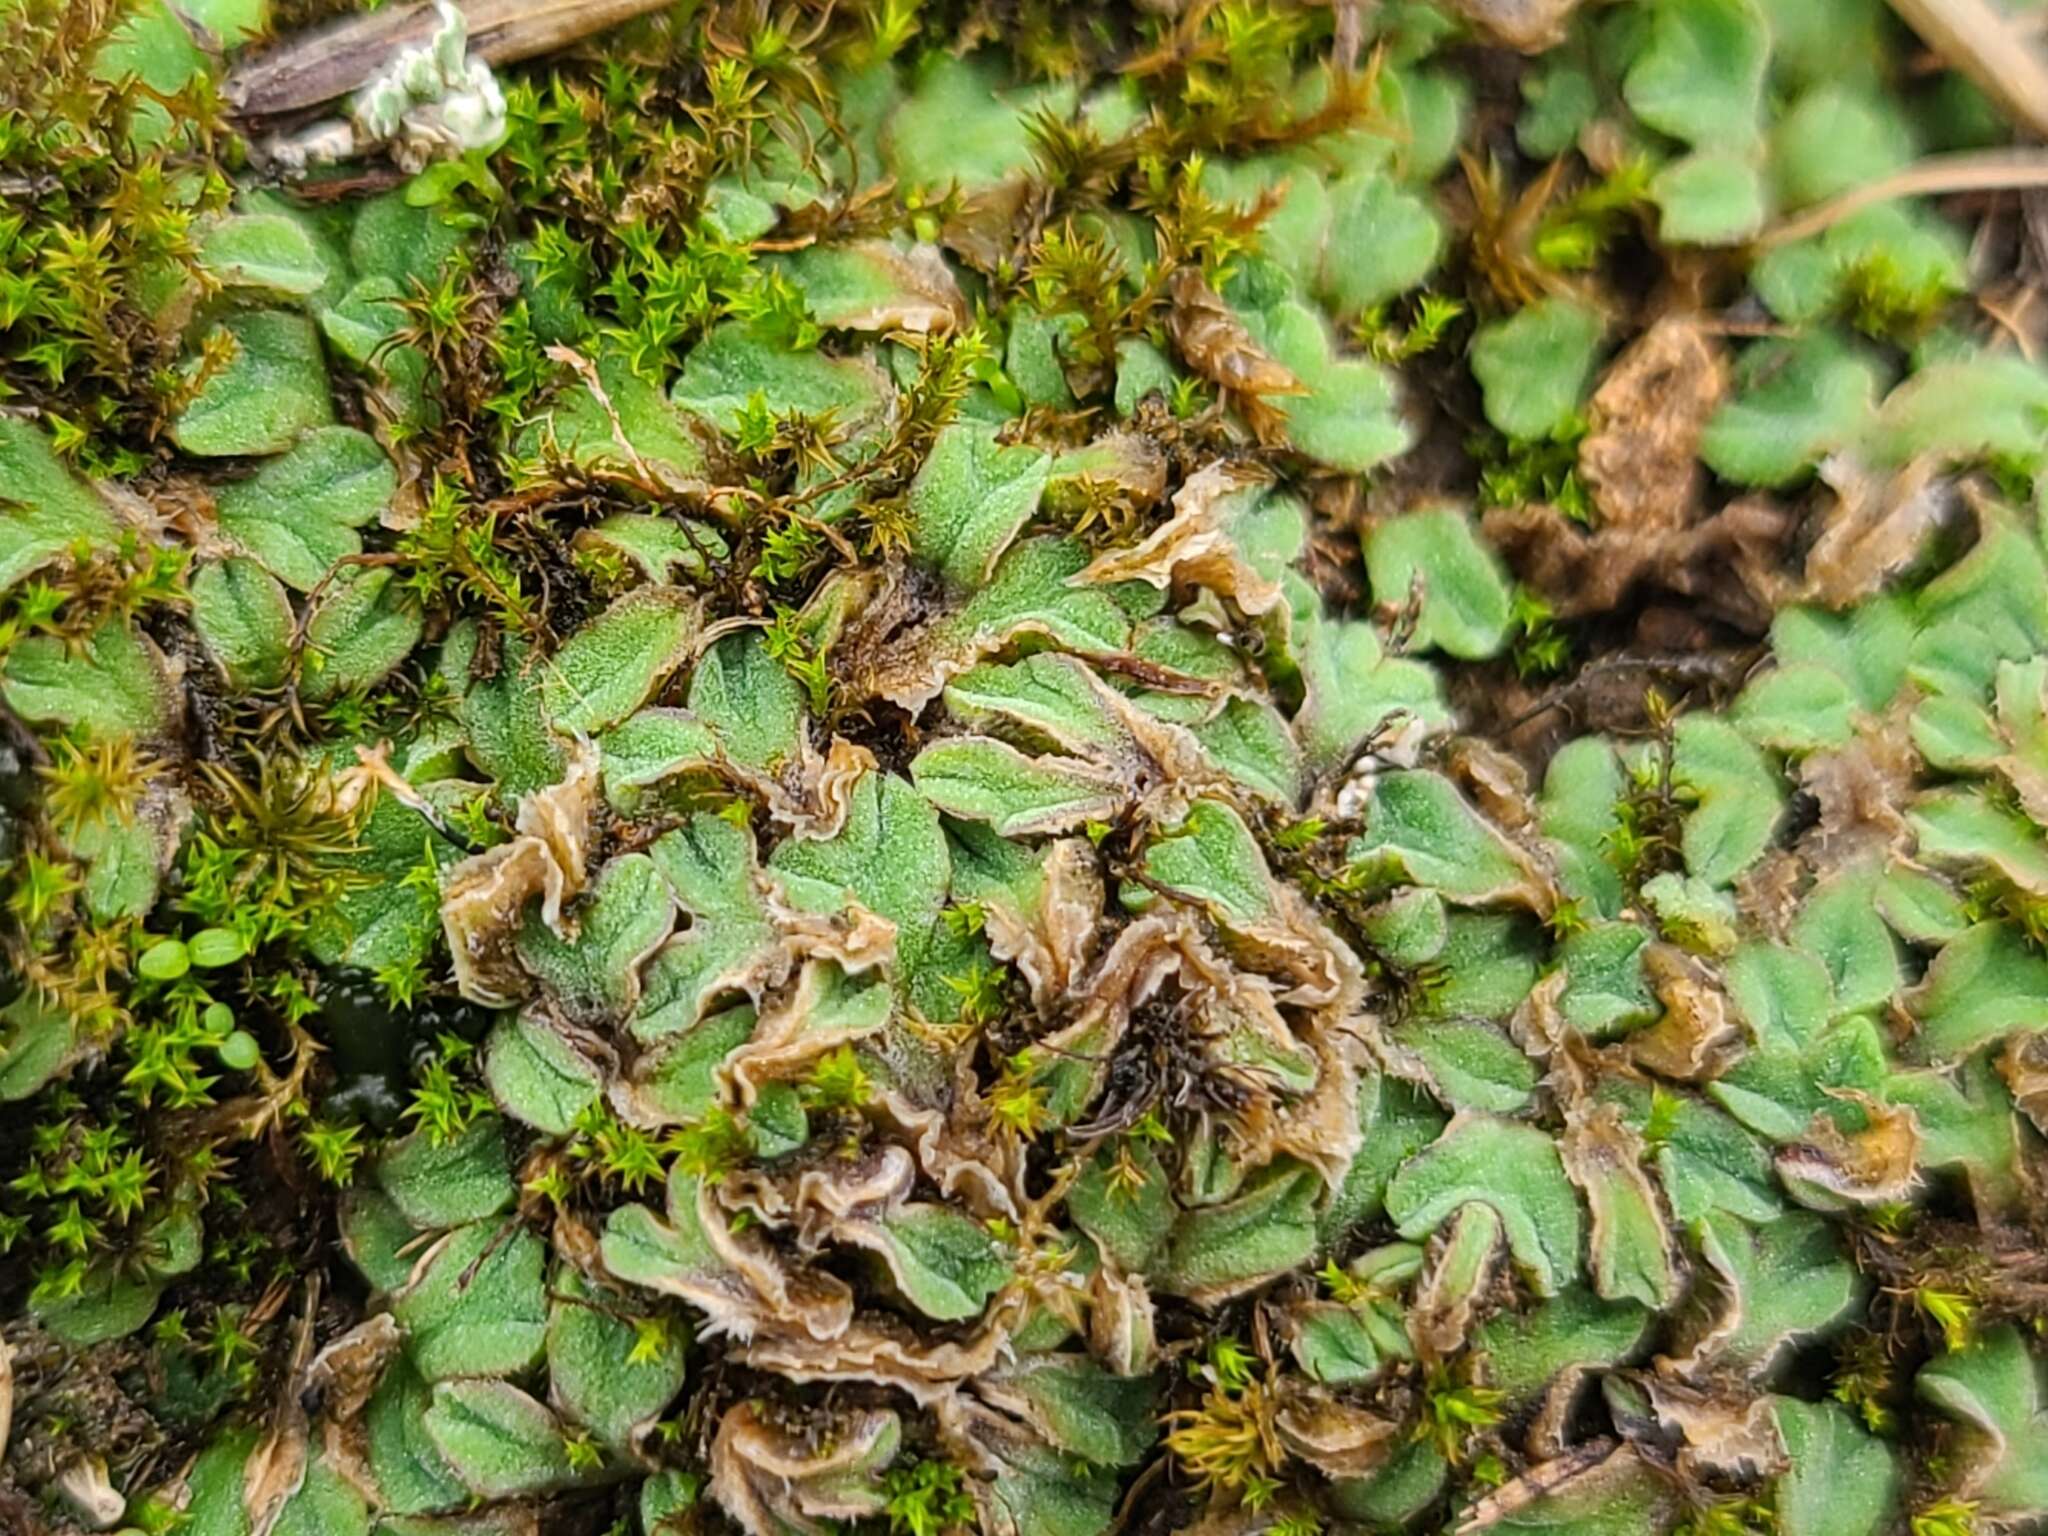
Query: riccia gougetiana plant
{"type": "Point", "coordinates": [1031, 769]}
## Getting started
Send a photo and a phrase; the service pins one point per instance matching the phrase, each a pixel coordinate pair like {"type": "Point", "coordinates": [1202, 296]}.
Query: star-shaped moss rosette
{"type": "Point", "coordinates": [1027, 770]}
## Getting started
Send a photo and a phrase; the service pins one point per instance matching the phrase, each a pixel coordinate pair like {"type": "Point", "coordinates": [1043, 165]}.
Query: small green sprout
{"type": "Point", "coordinates": [1453, 1410]}
{"type": "Point", "coordinates": [1947, 1517]}
{"type": "Point", "coordinates": [926, 1498]}
{"type": "Point", "coordinates": [837, 1080]}
{"type": "Point", "coordinates": [443, 1105]}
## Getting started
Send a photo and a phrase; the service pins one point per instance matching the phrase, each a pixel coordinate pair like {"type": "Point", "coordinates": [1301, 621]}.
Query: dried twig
{"type": "Point", "coordinates": [1978, 39]}
{"type": "Point", "coordinates": [1989, 170]}
{"type": "Point", "coordinates": [318, 66]}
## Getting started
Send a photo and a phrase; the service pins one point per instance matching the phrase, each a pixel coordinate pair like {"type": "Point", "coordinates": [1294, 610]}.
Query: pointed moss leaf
{"type": "Point", "coordinates": [1700, 74]}
{"type": "Point", "coordinates": [710, 866]}
{"type": "Point", "coordinates": [1983, 985]}
{"type": "Point", "coordinates": [1121, 1200]}
{"type": "Point", "coordinates": [1993, 1391]}
{"type": "Point", "coordinates": [1841, 1481]}
{"type": "Point", "coordinates": [476, 1306]}
{"type": "Point", "coordinates": [36, 1043]}
{"type": "Point", "coordinates": [1795, 401]}
{"type": "Point", "coordinates": [890, 857]}
{"type": "Point", "coordinates": [272, 388]}
{"type": "Point", "coordinates": [1472, 1065]}
{"type": "Point", "coordinates": [1533, 367]}
{"type": "Point", "coordinates": [537, 1076]}
{"type": "Point", "coordinates": [266, 251]}
{"type": "Point", "coordinates": [613, 664]}
{"type": "Point", "coordinates": [448, 1183]}
{"type": "Point", "coordinates": [1214, 859]}
{"type": "Point", "coordinates": [1420, 826]}
{"type": "Point", "coordinates": [298, 514]}
{"type": "Point", "coordinates": [595, 1375]}
{"type": "Point", "coordinates": [44, 508]}
{"type": "Point", "coordinates": [1709, 198]}
{"type": "Point", "coordinates": [245, 621]}
{"type": "Point", "coordinates": [945, 1261]}
{"type": "Point", "coordinates": [1513, 1168]}
{"type": "Point", "coordinates": [1085, 1411]}
{"type": "Point", "coordinates": [970, 499]}
{"type": "Point", "coordinates": [1784, 1280]}
{"type": "Point", "coordinates": [1219, 1250]}
{"type": "Point", "coordinates": [412, 1476]}
{"type": "Point", "coordinates": [1739, 798]}
{"type": "Point", "coordinates": [620, 922]}
{"type": "Point", "coordinates": [1840, 925]}
{"type": "Point", "coordinates": [980, 779]}
{"type": "Point", "coordinates": [734, 362]}
{"type": "Point", "coordinates": [500, 1442]}
{"type": "Point", "coordinates": [1796, 709]}
{"type": "Point", "coordinates": [1465, 605]}
{"type": "Point", "coordinates": [366, 624]}
{"type": "Point", "coordinates": [112, 686]}
{"type": "Point", "coordinates": [750, 702]}
{"type": "Point", "coordinates": [1573, 1330]}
